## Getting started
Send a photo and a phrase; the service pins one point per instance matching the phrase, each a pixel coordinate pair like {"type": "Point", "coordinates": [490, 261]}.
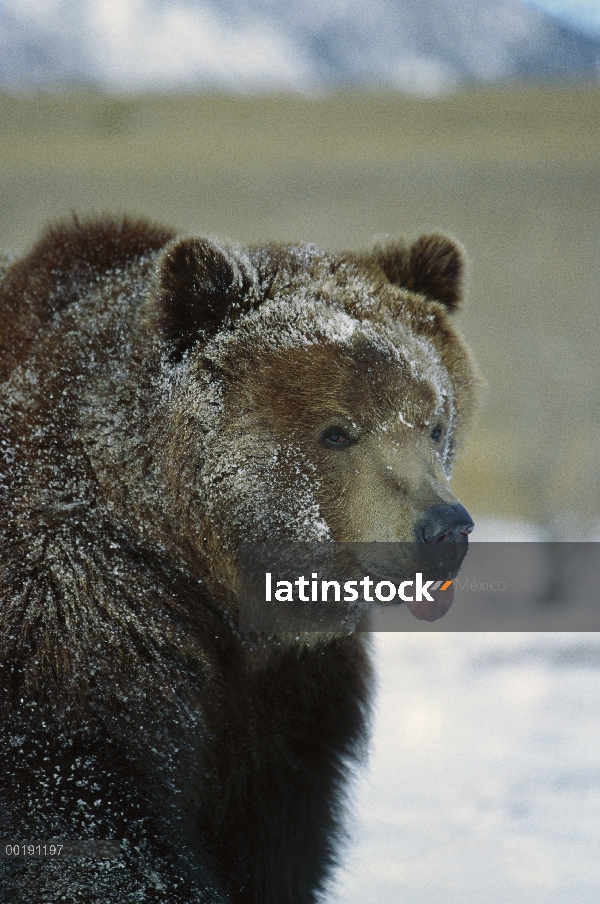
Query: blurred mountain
{"type": "Point", "coordinates": [423, 46]}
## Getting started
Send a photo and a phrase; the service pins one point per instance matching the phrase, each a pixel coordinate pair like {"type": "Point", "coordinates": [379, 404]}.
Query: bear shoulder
{"type": "Point", "coordinates": [68, 257]}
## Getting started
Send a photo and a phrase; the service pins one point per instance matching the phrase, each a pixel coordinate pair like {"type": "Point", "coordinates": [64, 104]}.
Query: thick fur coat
{"type": "Point", "coordinates": [163, 400]}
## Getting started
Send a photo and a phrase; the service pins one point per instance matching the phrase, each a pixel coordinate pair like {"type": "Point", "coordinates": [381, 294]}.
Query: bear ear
{"type": "Point", "coordinates": [201, 287]}
{"type": "Point", "coordinates": [433, 266]}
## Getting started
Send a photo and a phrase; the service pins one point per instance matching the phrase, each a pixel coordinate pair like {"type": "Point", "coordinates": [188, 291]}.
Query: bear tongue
{"type": "Point", "coordinates": [431, 611]}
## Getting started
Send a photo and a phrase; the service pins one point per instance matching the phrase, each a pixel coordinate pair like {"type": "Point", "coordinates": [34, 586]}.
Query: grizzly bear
{"type": "Point", "coordinates": [164, 400]}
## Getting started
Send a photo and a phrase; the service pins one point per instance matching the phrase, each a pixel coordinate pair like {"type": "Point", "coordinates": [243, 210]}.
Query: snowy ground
{"type": "Point", "coordinates": [483, 783]}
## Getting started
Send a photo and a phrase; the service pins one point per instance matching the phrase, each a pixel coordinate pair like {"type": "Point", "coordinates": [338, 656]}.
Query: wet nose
{"type": "Point", "coordinates": [444, 522]}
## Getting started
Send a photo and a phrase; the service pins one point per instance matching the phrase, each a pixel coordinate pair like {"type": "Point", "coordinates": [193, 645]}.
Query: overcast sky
{"type": "Point", "coordinates": [582, 14]}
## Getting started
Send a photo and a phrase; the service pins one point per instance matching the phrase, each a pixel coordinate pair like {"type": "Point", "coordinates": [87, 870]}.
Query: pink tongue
{"type": "Point", "coordinates": [426, 611]}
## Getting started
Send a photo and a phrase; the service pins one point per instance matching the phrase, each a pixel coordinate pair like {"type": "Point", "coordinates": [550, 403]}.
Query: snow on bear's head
{"type": "Point", "coordinates": [319, 396]}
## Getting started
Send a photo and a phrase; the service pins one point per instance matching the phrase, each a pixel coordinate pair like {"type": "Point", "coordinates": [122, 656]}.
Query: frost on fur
{"type": "Point", "coordinates": [163, 400]}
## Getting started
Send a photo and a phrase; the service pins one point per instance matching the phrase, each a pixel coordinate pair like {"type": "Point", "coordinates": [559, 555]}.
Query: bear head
{"type": "Point", "coordinates": [319, 396]}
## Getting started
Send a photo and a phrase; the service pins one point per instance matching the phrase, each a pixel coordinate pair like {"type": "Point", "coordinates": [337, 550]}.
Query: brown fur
{"type": "Point", "coordinates": [67, 257]}
{"type": "Point", "coordinates": [163, 401]}
{"type": "Point", "coordinates": [433, 266]}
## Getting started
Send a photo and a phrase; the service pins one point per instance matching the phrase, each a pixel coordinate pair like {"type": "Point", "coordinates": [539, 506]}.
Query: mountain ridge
{"type": "Point", "coordinates": [420, 46]}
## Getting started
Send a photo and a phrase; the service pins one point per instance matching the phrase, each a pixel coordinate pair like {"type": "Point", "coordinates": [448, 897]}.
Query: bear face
{"type": "Point", "coordinates": [341, 395]}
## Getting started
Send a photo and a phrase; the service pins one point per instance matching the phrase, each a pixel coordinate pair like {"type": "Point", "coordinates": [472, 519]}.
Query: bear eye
{"type": "Point", "coordinates": [436, 433]}
{"type": "Point", "coordinates": [335, 438]}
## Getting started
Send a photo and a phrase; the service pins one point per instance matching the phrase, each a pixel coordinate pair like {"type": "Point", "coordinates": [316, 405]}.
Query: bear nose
{"type": "Point", "coordinates": [443, 523]}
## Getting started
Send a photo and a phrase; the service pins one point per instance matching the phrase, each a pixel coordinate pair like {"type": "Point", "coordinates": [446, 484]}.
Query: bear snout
{"type": "Point", "coordinates": [444, 523]}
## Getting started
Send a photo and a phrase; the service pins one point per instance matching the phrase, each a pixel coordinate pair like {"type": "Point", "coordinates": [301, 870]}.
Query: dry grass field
{"type": "Point", "coordinates": [515, 174]}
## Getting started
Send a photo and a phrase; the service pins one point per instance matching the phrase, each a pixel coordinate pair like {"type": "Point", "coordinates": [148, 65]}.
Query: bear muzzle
{"type": "Point", "coordinates": [443, 523]}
